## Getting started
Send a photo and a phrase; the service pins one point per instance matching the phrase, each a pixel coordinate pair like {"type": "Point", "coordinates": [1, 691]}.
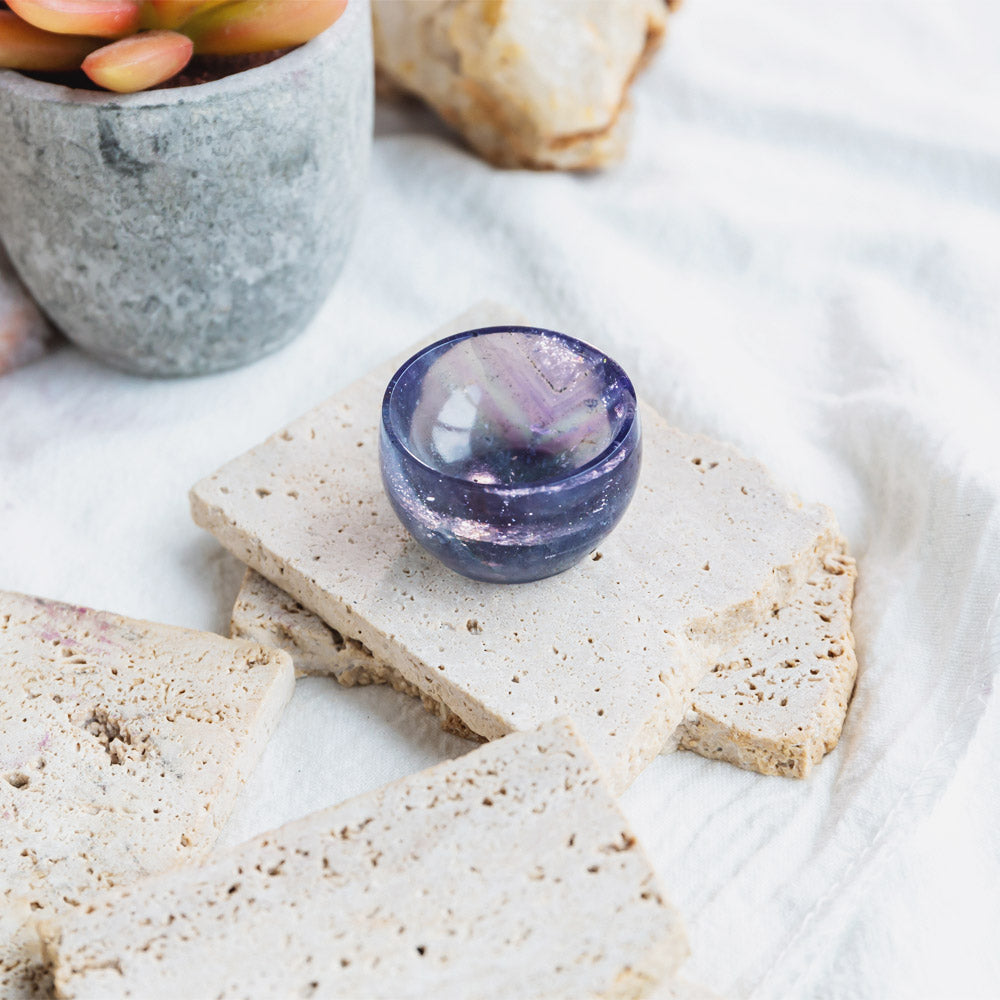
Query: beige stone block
{"type": "Point", "coordinates": [123, 745]}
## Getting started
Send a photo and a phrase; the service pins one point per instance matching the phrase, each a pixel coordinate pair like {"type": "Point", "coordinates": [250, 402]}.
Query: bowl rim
{"type": "Point", "coordinates": [601, 463]}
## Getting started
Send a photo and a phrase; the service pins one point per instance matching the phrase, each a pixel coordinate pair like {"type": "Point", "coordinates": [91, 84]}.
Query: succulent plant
{"type": "Point", "coordinates": [129, 45]}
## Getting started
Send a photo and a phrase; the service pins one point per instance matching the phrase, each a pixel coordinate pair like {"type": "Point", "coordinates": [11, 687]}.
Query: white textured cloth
{"type": "Point", "coordinates": [799, 256]}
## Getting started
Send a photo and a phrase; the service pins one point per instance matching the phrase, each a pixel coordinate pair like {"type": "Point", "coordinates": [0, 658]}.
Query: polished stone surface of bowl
{"type": "Point", "coordinates": [510, 452]}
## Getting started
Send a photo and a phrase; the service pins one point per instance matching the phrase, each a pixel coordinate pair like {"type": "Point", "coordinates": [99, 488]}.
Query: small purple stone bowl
{"type": "Point", "coordinates": [510, 452]}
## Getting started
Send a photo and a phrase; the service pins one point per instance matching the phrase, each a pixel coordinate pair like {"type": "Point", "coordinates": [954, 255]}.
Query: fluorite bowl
{"type": "Point", "coordinates": [510, 452]}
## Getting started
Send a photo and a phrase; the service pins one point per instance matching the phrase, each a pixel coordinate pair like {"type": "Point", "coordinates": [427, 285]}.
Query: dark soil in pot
{"type": "Point", "coordinates": [201, 69]}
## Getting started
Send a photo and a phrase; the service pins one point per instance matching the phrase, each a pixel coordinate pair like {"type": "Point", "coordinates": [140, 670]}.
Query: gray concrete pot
{"type": "Point", "coordinates": [175, 232]}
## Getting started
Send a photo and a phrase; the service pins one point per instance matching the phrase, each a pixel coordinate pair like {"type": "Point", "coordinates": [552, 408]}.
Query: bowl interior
{"type": "Point", "coordinates": [510, 406]}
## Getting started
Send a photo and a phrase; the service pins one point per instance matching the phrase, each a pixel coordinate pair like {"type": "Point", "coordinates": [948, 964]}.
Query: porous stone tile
{"type": "Point", "coordinates": [123, 745]}
{"type": "Point", "coordinates": [268, 616]}
{"type": "Point", "coordinates": [507, 872]}
{"type": "Point", "coordinates": [776, 703]}
{"type": "Point", "coordinates": [709, 547]}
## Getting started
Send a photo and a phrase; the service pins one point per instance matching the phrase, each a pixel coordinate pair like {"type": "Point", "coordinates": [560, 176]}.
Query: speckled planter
{"type": "Point", "coordinates": [183, 231]}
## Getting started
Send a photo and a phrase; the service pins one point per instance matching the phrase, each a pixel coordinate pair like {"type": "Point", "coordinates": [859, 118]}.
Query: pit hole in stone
{"type": "Point", "coordinates": [17, 780]}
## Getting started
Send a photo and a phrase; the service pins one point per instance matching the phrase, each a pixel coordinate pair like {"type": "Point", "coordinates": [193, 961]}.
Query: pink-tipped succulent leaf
{"type": "Point", "coordinates": [261, 25]}
{"type": "Point", "coordinates": [100, 18]}
{"type": "Point", "coordinates": [25, 47]}
{"type": "Point", "coordinates": [139, 62]}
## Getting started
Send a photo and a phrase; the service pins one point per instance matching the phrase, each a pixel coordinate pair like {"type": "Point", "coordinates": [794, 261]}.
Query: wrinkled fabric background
{"type": "Point", "coordinates": [799, 256]}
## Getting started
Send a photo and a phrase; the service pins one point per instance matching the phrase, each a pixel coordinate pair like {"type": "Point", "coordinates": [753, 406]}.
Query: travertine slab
{"type": "Point", "coordinates": [708, 548]}
{"type": "Point", "coordinates": [509, 872]}
{"type": "Point", "coordinates": [123, 745]}
{"type": "Point", "coordinates": [776, 702]}
{"type": "Point", "coordinates": [267, 615]}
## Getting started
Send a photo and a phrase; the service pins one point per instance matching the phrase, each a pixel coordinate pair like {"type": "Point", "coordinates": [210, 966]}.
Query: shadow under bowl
{"type": "Point", "coordinates": [510, 452]}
